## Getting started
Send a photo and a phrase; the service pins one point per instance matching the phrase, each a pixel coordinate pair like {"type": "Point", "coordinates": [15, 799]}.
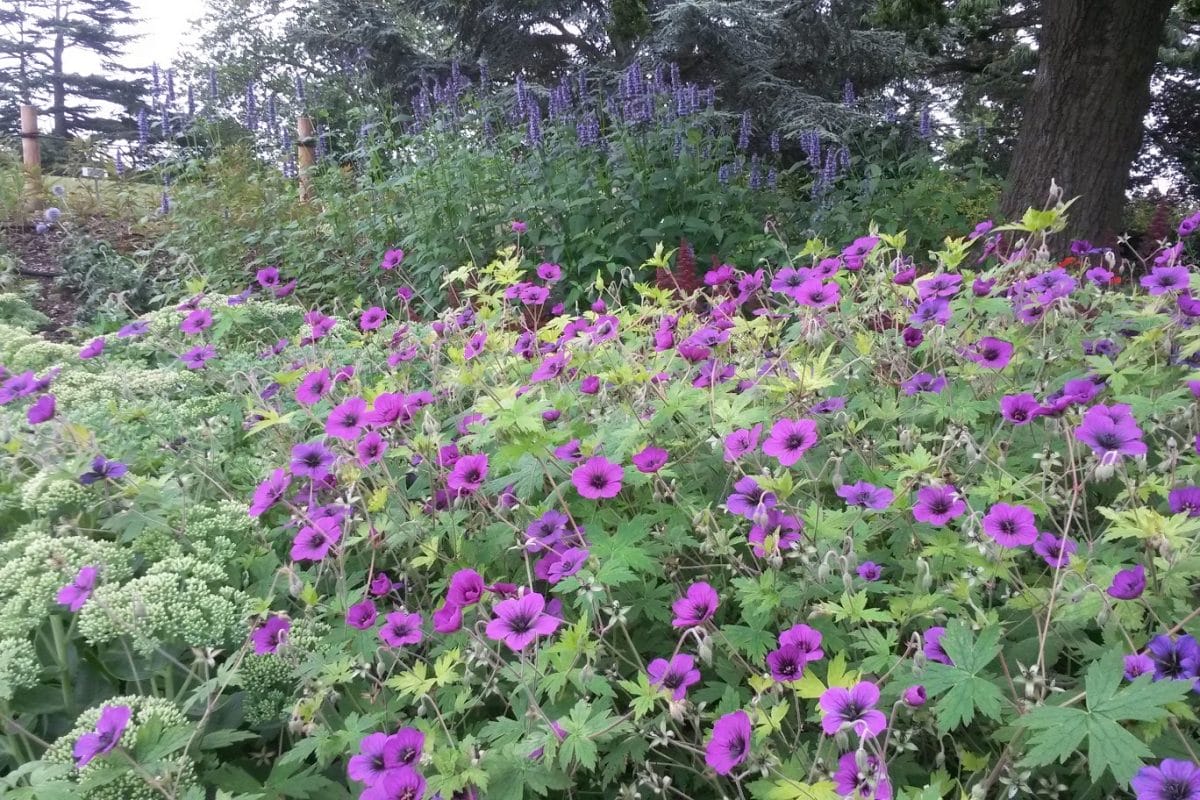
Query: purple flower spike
{"type": "Point", "coordinates": [729, 744]}
{"type": "Point", "coordinates": [109, 729]}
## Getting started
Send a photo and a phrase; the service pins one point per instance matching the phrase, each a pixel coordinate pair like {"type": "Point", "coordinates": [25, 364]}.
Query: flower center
{"type": "Point", "coordinates": [520, 623]}
{"type": "Point", "coordinates": [1176, 790]}
{"type": "Point", "coordinates": [796, 441]}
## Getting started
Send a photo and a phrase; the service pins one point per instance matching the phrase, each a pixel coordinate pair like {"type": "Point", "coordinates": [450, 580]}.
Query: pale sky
{"type": "Point", "coordinates": [164, 27]}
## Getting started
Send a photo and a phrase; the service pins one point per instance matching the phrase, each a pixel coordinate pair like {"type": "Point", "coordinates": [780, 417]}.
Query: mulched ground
{"type": "Point", "coordinates": [38, 264]}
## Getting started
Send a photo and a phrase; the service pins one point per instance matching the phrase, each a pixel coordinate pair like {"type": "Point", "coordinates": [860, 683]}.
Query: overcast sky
{"type": "Point", "coordinates": [164, 26]}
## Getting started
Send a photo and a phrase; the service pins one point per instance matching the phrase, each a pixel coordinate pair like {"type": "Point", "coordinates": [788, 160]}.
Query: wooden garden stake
{"type": "Point", "coordinates": [306, 155]}
{"type": "Point", "coordinates": [31, 156]}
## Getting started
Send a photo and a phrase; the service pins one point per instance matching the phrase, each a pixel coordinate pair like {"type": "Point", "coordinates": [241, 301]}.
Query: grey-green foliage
{"type": "Point", "coordinates": [16, 310]}
{"type": "Point", "coordinates": [134, 779]}
{"type": "Point", "coordinates": [35, 563]}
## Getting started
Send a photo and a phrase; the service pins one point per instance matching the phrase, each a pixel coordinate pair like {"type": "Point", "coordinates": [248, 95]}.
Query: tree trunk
{"type": "Point", "coordinates": [1084, 116]}
{"type": "Point", "coordinates": [58, 82]}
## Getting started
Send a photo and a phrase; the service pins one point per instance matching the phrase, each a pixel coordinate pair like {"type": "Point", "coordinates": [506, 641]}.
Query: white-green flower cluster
{"type": "Point", "coordinates": [181, 600]}
{"type": "Point", "coordinates": [209, 532]}
{"type": "Point", "coordinates": [35, 564]}
{"type": "Point", "coordinates": [137, 781]}
{"type": "Point", "coordinates": [272, 683]}
{"type": "Point", "coordinates": [51, 496]}
{"type": "Point", "coordinates": [18, 666]}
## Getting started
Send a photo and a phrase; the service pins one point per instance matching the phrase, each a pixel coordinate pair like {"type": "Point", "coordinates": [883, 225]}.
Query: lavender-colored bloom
{"type": "Point", "coordinates": [92, 349]}
{"type": "Point", "coordinates": [372, 319]}
{"type": "Point", "coordinates": [650, 459]}
{"type": "Point", "coordinates": [77, 592]}
{"type": "Point", "coordinates": [313, 387]}
{"type": "Point", "coordinates": [107, 735]}
{"type": "Point", "coordinates": [937, 505]}
{"type": "Point", "coordinates": [804, 638]}
{"type": "Point", "coordinates": [1174, 660]}
{"type": "Point", "coordinates": [729, 744]}
{"type": "Point", "coordinates": [933, 646]}
{"type": "Point", "coordinates": [135, 328]}
{"type": "Point", "coordinates": [869, 571]}
{"type": "Point", "coordinates": [1010, 526]}
{"type": "Point", "coordinates": [1138, 664]}
{"type": "Point", "coordinates": [1020, 409]}
{"type": "Point", "coordinates": [790, 439]}
{"type": "Point", "coordinates": [103, 470]}
{"type": "Point", "coordinates": [401, 629]}
{"type": "Point", "coordinates": [869, 783]}
{"type": "Point", "coordinates": [519, 621]}
{"type": "Point", "coordinates": [924, 382]}
{"type": "Point", "coordinates": [371, 448]}
{"type": "Point", "coordinates": [853, 708]}
{"type": "Point", "coordinates": [991, 353]}
{"type": "Point", "coordinates": [1162, 280]}
{"type": "Point", "coordinates": [935, 310]}
{"type": "Point", "coordinates": [696, 607]}
{"type": "Point", "coordinates": [1110, 440]}
{"type": "Point", "coordinates": [197, 321]}
{"type": "Point", "coordinates": [1185, 500]}
{"type": "Point", "coordinates": [866, 495]}
{"type": "Point", "coordinates": [370, 764]}
{"type": "Point", "coordinates": [42, 410]}
{"type": "Point", "coordinates": [912, 337]}
{"type": "Point", "coordinates": [466, 587]}
{"type": "Point", "coordinates": [783, 530]}
{"type": "Point", "coordinates": [362, 615]}
{"type": "Point", "coordinates": [546, 530]}
{"type": "Point", "coordinates": [1054, 550]}
{"type": "Point", "coordinates": [314, 541]}
{"type": "Point", "coordinates": [598, 478]}
{"type": "Point", "coordinates": [566, 563]}
{"type": "Point", "coordinates": [198, 356]}
{"type": "Point", "coordinates": [269, 636]}
{"type": "Point", "coordinates": [1172, 779]}
{"type": "Point", "coordinates": [915, 696]}
{"type": "Point", "coordinates": [1128, 584]}
{"type": "Point", "coordinates": [269, 492]}
{"type": "Point", "coordinates": [675, 675]}
{"type": "Point", "coordinates": [468, 474]}
{"type": "Point", "coordinates": [346, 421]}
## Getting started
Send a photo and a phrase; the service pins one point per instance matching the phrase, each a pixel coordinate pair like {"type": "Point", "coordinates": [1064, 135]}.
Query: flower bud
{"type": "Point", "coordinates": [914, 696]}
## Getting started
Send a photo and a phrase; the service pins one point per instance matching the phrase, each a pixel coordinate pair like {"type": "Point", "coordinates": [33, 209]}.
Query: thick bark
{"type": "Point", "coordinates": [1084, 115]}
{"type": "Point", "coordinates": [58, 81]}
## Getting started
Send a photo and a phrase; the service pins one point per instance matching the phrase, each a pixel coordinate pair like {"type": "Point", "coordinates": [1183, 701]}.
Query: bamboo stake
{"type": "Point", "coordinates": [31, 156]}
{"type": "Point", "coordinates": [306, 155]}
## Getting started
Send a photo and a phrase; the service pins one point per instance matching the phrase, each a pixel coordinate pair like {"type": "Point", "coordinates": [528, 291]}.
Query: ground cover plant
{"type": "Point", "coordinates": [865, 524]}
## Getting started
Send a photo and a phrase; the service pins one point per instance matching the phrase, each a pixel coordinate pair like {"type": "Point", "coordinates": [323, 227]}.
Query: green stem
{"type": "Point", "coordinates": [64, 669]}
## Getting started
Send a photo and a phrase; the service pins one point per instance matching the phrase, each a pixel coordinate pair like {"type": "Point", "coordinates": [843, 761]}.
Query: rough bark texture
{"type": "Point", "coordinates": [1084, 116]}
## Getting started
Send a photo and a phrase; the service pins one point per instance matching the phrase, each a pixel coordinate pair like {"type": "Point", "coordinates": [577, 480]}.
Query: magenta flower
{"type": "Point", "coordinates": [915, 696]}
{"type": "Point", "coordinates": [468, 474]}
{"type": "Point", "coordinates": [397, 784]}
{"type": "Point", "coordinates": [1162, 280]}
{"type": "Point", "coordinates": [404, 748]}
{"type": "Point", "coordinates": [267, 277]}
{"type": "Point", "coordinates": [371, 448]}
{"type": "Point", "coordinates": [1054, 550]}
{"type": "Point", "coordinates": [372, 319]}
{"type": "Point", "coordinates": [749, 499]}
{"type": "Point", "coordinates": [870, 783]}
{"type": "Point", "coordinates": [371, 762]}
{"type": "Point", "coordinates": [924, 382]}
{"type": "Point", "coordinates": [598, 478]}
{"type": "Point", "coordinates": [742, 441]}
{"type": "Point", "coordinates": [912, 337]}
{"type": "Point", "coordinates": [1138, 664]}
{"type": "Point", "coordinates": [1109, 439]}
{"type": "Point", "coordinates": [103, 470]}
{"type": "Point", "coordinates": [551, 367]}
{"type": "Point", "coordinates": [521, 620]}
{"type": "Point", "coordinates": [346, 420]}
{"type": "Point", "coordinates": [104, 739]}
{"type": "Point", "coordinates": [313, 387]}
{"type": "Point", "coordinates": [314, 541]}
{"type": "Point", "coordinates": [269, 636]}
{"type": "Point", "coordinates": [77, 592]}
{"type": "Point", "coordinates": [853, 708]}
{"type": "Point", "coordinates": [817, 294]}
{"type": "Point", "coordinates": [311, 459]}
{"type": "Point", "coordinates": [696, 607]}
{"type": "Point", "coordinates": [401, 629]}
{"type": "Point", "coordinates": [199, 356]}
{"type": "Point", "coordinates": [937, 505]}
{"type": "Point", "coordinates": [136, 328]}
{"type": "Point", "coordinates": [774, 532]}
{"type": "Point", "coordinates": [650, 459]}
{"type": "Point", "coordinates": [1172, 779]}
{"type": "Point", "coordinates": [93, 348]}
{"type": "Point", "coordinates": [475, 345]}
{"type": "Point", "coordinates": [991, 353]}
{"type": "Point", "coordinates": [933, 646]}
{"type": "Point", "coordinates": [199, 320]}
{"type": "Point", "coordinates": [447, 619]}
{"type": "Point", "coordinates": [545, 531]}
{"type": "Point", "coordinates": [806, 639]}
{"type": "Point", "coordinates": [787, 663]}
{"type": "Point", "coordinates": [269, 492]}
{"type": "Point", "coordinates": [466, 587]}
{"type": "Point", "coordinates": [1185, 500]}
{"type": "Point", "coordinates": [790, 439]}
{"type": "Point", "coordinates": [1010, 526]}
{"type": "Point", "coordinates": [362, 615]}
{"type": "Point", "coordinates": [729, 744]}
{"type": "Point", "coordinates": [550, 273]}
{"type": "Point", "coordinates": [1020, 409]}
{"type": "Point", "coordinates": [590, 384]}
{"type": "Point", "coordinates": [869, 571]}
{"type": "Point", "coordinates": [42, 410]}
{"type": "Point", "coordinates": [392, 259]}
{"type": "Point", "coordinates": [675, 675]}
{"type": "Point", "coordinates": [566, 563]}
{"type": "Point", "coordinates": [518, 226]}
{"type": "Point", "coordinates": [1128, 584]}
{"type": "Point", "coordinates": [866, 495]}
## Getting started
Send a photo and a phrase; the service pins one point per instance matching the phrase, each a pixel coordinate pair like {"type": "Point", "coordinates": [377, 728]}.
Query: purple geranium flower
{"type": "Point", "coordinates": [1011, 526]}
{"type": "Point", "coordinates": [1109, 439]}
{"type": "Point", "coordinates": [397, 784]}
{"type": "Point", "coordinates": [391, 259]}
{"type": "Point", "coordinates": [1162, 280]}
{"type": "Point", "coordinates": [853, 708]}
{"type": "Point", "coordinates": [42, 410]}
{"type": "Point", "coordinates": [924, 382]}
{"type": "Point", "coordinates": [1174, 660]}
{"type": "Point", "coordinates": [371, 448]}
{"type": "Point", "coordinates": [267, 277]}
{"type": "Point", "coordinates": [675, 675]}
{"type": "Point", "coordinates": [790, 439]}
{"type": "Point", "coordinates": [103, 470]}
{"type": "Point", "coordinates": [869, 571]}
{"type": "Point", "coordinates": [1054, 550]}
{"type": "Point", "coordinates": [400, 629]}
{"type": "Point", "coordinates": [742, 441]}
{"type": "Point", "coordinates": [729, 744]}
{"type": "Point", "coordinates": [1185, 500]}
{"type": "Point", "coordinates": [807, 639]}
{"type": "Point", "coordinates": [866, 495]}
{"type": "Point", "coordinates": [109, 729]}
{"type": "Point", "coordinates": [269, 492]}
{"type": "Point", "coordinates": [521, 620]}
{"type": "Point", "coordinates": [1172, 779]}
{"type": "Point", "coordinates": [347, 419]}
{"type": "Point", "coordinates": [748, 499]}
{"type": "Point", "coordinates": [1020, 409]}
{"type": "Point", "coordinates": [313, 387]}
{"type": "Point", "coordinates": [370, 764]}
{"type": "Point", "coordinates": [77, 592]}
{"type": "Point", "coordinates": [93, 348]}
{"type": "Point", "coordinates": [270, 635]}
{"type": "Point", "coordinates": [650, 459]}
{"type": "Point", "coordinates": [787, 663]}
{"type": "Point", "coordinates": [311, 459]}
{"type": "Point", "coordinates": [372, 319]}
{"type": "Point", "coordinates": [468, 474]}
{"type": "Point", "coordinates": [199, 356]}
{"type": "Point", "coordinates": [696, 607]}
{"type": "Point", "coordinates": [1128, 584]}
{"type": "Point", "coordinates": [933, 646]}
{"type": "Point", "coordinates": [937, 505]}
{"type": "Point", "coordinates": [866, 783]}
{"type": "Point", "coordinates": [566, 564]}
{"type": "Point", "coordinates": [197, 321]}
{"type": "Point", "coordinates": [314, 541]}
{"type": "Point", "coordinates": [362, 615]}
{"type": "Point", "coordinates": [135, 328]}
{"type": "Point", "coordinates": [782, 530]}
{"type": "Point", "coordinates": [1138, 664]}
{"type": "Point", "coordinates": [991, 353]}
{"type": "Point", "coordinates": [466, 587]}
{"type": "Point", "coordinates": [546, 530]}
{"type": "Point", "coordinates": [915, 696]}
{"type": "Point", "coordinates": [598, 478]}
